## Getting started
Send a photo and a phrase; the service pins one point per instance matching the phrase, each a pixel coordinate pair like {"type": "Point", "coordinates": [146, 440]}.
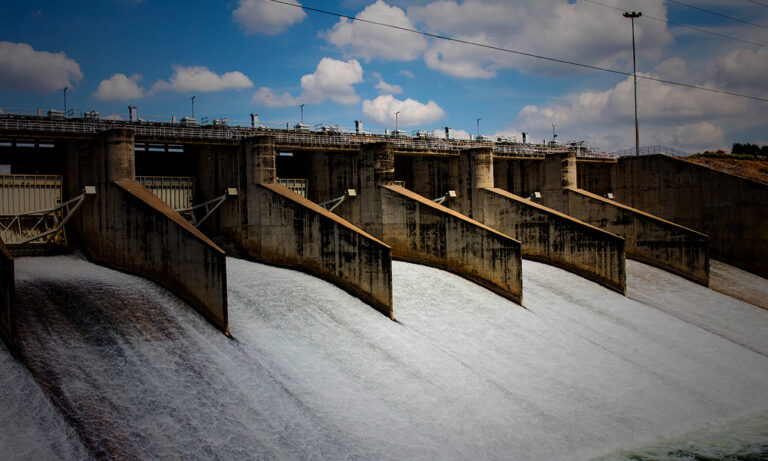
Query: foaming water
{"type": "Point", "coordinates": [744, 439]}
{"type": "Point", "coordinates": [132, 372]}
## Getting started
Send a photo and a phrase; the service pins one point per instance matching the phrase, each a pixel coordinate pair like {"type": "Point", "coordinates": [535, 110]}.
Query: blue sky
{"type": "Point", "coordinates": [243, 56]}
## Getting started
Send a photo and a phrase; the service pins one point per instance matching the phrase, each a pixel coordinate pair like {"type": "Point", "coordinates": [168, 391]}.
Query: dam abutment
{"type": "Point", "coordinates": [648, 238]}
{"type": "Point", "coordinates": [729, 209]}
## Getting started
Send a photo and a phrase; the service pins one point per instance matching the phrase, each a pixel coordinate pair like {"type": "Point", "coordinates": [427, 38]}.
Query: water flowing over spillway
{"type": "Point", "coordinates": [119, 368]}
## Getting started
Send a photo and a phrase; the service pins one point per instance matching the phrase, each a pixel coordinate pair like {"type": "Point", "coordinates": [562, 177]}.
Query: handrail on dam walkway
{"type": "Point", "coordinates": [652, 150]}
{"type": "Point", "coordinates": [284, 138]}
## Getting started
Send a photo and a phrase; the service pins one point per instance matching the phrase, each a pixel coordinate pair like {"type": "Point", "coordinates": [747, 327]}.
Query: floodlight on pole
{"type": "Point", "coordinates": [632, 16]}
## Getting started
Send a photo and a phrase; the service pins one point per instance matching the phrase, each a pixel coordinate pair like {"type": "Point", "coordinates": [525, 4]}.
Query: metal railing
{"type": "Point", "coordinates": [284, 138]}
{"type": "Point", "coordinates": [652, 150]}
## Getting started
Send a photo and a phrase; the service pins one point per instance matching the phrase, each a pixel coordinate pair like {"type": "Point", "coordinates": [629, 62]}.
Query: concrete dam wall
{"type": "Point", "coordinates": [465, 211]}
{"type": "Point", "coordinates": [128, 228]}
{"type": "Point", "coordinates": [421, 231]}
{"type": "Point", "coordinates": [649, 238]}
{"type": "Point", "coordinates": [732, 211]}
{"type": "Point", "coordinates": [269, 223]}
{"type": "Point", "coordinates": [7, 284]}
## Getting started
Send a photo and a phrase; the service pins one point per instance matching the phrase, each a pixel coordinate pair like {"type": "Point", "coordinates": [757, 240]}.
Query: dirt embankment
{"type": "Point", "coordinates": [754, 170]}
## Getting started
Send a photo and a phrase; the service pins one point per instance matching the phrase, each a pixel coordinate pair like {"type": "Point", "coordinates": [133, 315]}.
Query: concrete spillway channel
{"type": "Point", "coordinates": [115, 367]}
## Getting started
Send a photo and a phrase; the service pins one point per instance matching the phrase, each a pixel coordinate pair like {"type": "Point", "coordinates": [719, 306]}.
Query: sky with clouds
{"type": "Point", "coordinates": [256, 56]}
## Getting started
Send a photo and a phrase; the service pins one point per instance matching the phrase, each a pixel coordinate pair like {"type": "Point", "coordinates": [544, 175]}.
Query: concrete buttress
{"type": "Point", "coordinates": [546, 235]}
{"type": "Point", "coordinates": [649, 239]}
{"type": "Point", "coordinates": [7, 284]}
{"type": "Point", "coordinates": [270, 223]}
{"type": "Point", "coordinates": [731, 210]}
{"type": "Point", "coordinates": [421, 231]}
{"type": "Point", "coordinates": [126, 227]}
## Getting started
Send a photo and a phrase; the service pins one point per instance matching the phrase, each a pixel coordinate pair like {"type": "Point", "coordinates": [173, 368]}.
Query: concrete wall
{"type": "Point", "coordinates": [732, 211]}
{"type": "Point", "coordinates": [554, 238]}
{"type": "Point", "coordinates": [331, 173]}
{"type": "Point", "coordinates": [648, 238]}
{"type": "Point", "coordinates": [421, 231]}
{"type": "Point", "coordinates": [430, 176]}
{"type": "Point", "coordinates": [269, 223]}
{"type": "Point", "coordinates": [596, 175]}
{"type": "Point", "coordinates": [521, 177]}
{"type": "Point", "coordinates": [7, 287]}
{"type": "Point", "coordinates": [126, 227]}
{"type": "Point", "coordinates": [545, 234]}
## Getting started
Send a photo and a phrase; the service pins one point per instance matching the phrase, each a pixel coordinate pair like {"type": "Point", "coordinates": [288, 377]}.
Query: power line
{"type": "Point", "coordinates": [757, 3]}
{"type": "Point", "coordinates": [521, 53]}
{"type": "Point", "coordinates": [717, 14]}
{"type": "Point", "coordinates": [680, 25]}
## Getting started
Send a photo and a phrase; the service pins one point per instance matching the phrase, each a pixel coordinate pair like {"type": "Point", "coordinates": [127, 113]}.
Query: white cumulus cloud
{"type": "Point", "coordinates": [266, 97]}
{"type": "Point", "coordinates": [675, 116]}
{"type": "Point", "coordinates": [744, 69]}
{"type": "Point", "coordinates": [332, 79]}
{"type": "Point", "coordinates": [382, 110]}
{"type": "Point", "coordinates": [388, 88]}
{"type": "Point", "coordinates": [263, 17]}
{"type": "Point", "coordinates": [199, 78]}
{"type": "Point", "coordinates": [119, 87]}
{"type": "Point", "coordinates": [574, 31]}
{"type": "Point", "coordinates": [368, 41]}
{"type": "Point", "coordinates": [698, 136]}
{"type": "Point", "coordinates": [24, 68]}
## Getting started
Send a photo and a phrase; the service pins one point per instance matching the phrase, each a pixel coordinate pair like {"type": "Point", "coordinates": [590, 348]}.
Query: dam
{"type": "Point", "coordinates": [547, 305]}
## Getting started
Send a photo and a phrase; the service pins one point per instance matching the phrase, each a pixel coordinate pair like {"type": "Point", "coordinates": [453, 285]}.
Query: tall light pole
{"type": "Point", "coordinates": [65, 102]}
{"type": "Point", "coordinates": [193, 107]}
{"type": "Point", "coordinates": [478, 127]}
{"type": "Point", "coordinates": [632, 16]}
{"type": "Point", "coordinates": [302, 113]}
{"type": "Point", "coordinates": [397, 132]}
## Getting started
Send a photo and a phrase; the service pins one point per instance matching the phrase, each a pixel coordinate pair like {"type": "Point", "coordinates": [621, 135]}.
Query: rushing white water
{"type": "Point", "coordinates": [315, 373]}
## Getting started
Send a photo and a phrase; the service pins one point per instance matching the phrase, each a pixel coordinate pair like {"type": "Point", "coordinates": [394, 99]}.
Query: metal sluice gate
{"type": "Point", "coordinates": [32, 212]}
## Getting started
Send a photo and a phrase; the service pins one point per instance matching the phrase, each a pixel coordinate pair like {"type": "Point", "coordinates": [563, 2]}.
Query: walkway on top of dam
{"type": "Point", "coordinates": [24, 127]}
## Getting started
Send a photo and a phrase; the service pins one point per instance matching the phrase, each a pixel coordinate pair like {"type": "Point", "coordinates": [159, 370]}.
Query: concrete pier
{"type": "Point", "coordinates": [128, 228]}
{"type": "Point", "coordinates": [269, 223]}
{"type": "Point", "coordinates": [419, 230]}
{"type": "Point", "coordinates": [649, 239]}
{"type": "Point", "coordinates": [7, 284]}
{"type": "Point", "coordinates": [546, 235]}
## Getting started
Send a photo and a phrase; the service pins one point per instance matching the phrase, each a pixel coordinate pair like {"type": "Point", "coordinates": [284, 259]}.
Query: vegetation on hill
{"type": "Point", "coordinates": [748, 161]}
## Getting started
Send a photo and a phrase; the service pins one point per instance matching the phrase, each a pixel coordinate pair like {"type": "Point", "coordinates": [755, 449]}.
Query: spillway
{"type": "Point", "coordinates": [116, 367]}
